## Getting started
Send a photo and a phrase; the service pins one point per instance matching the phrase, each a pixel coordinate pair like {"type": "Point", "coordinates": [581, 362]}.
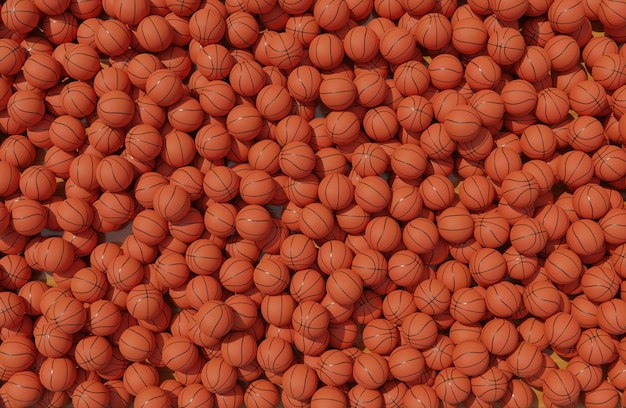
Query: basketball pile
{"type": "Point", "coordinates": [332, 203]}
